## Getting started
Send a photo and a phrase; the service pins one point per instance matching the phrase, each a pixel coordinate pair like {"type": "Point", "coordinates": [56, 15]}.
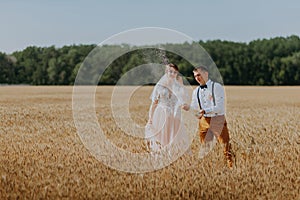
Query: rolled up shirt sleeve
{"type": "Point", "coordinates": [194, 103]}
{"type": "Point", "coordinates": [219, 94]}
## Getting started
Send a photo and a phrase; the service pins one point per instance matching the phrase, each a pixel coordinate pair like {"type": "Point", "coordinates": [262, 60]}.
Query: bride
{"type": "Point", "coordinates": [164, 122]}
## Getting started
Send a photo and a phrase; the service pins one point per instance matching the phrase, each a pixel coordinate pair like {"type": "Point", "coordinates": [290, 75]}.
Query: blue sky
{"type": "Point", "coordinates": [64, 22]}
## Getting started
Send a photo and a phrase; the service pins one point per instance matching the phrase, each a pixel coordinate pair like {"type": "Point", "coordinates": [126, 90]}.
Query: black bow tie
{"type": "Point", "coordinates": [203, 86]}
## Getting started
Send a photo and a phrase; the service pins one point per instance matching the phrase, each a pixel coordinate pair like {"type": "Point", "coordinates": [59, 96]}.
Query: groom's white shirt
{"type": "Point", "coordinates": [207, 104]}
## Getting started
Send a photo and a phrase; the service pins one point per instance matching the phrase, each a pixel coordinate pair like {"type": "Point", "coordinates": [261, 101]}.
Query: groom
{"type": "Point", "coordinates": [209, 100]}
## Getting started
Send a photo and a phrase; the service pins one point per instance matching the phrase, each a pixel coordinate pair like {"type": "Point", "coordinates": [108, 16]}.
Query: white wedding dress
{"type": "Point", "coordinates": [167, 126]}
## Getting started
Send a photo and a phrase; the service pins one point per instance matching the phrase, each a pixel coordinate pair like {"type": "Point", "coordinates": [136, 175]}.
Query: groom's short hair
{"type": "Point", "coordinates": [201, 67]}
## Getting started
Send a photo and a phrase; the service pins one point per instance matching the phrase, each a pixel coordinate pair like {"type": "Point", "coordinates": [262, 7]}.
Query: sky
{"type": "Point", "coordinates": [65, 22]}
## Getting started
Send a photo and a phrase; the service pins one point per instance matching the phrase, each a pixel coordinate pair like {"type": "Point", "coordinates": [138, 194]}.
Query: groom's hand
{"type": "Point", "coordinates": [200, 114]}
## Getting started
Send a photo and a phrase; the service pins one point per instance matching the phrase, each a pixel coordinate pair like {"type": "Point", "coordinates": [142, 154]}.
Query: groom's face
{"type": "Point", "coordinates": [201, 76]}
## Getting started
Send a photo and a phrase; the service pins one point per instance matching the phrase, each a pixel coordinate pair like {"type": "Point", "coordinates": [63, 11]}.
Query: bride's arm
{"type": "Point", "coordinates": [152, 109]}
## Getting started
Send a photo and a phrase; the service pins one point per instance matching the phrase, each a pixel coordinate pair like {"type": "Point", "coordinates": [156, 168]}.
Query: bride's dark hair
{"type": "Point", "coordinates": [173, 66]}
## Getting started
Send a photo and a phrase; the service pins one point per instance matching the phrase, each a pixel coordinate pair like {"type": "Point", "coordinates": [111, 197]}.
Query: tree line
{"type": "Point", "coordinates": [274, 61]}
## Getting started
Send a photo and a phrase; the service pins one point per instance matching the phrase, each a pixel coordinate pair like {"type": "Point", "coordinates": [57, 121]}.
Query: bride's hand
{"type": "Point", "coordinates": [150, 121]}
{"type": "Point", "coordinates": [185, 107]}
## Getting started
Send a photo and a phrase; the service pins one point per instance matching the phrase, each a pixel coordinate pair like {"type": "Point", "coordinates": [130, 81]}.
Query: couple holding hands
{"type": "Point", "coordinates": [169, 96]}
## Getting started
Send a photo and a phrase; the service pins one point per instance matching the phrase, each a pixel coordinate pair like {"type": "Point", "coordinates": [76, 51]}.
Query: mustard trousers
{"type": "Point", "coordinates": [215, 126]}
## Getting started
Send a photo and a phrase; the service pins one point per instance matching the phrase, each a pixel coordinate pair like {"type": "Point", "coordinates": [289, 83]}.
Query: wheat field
{"type": "Point", "coordinates": [42, 156]}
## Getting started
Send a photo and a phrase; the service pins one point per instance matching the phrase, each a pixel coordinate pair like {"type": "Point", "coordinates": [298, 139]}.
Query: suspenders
{"type": "Point", "coordinates": [213, 95]}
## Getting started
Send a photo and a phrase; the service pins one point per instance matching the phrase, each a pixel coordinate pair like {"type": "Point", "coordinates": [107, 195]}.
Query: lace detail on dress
{"type": "Point", "coordinates": [166, 99]}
